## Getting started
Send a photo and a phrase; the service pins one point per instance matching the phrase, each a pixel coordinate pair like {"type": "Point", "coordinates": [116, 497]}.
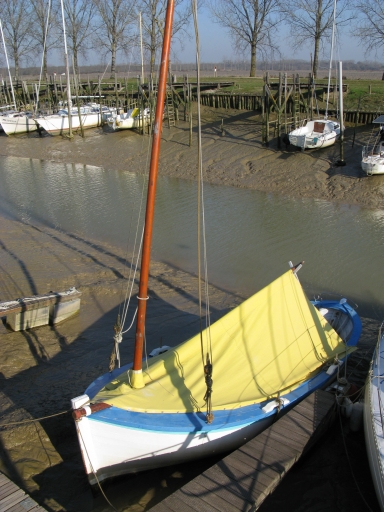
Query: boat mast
{"type": "Point", "coordinates": [331, 57]}
{"type": "Point", "coordinates": [141, 51]}
{"type": "Point", "coordinates": [69, 99]}
{"type": "Point", "coordinates": [9, 71]}
{"type": "Point", "coordinates": [136, 375]}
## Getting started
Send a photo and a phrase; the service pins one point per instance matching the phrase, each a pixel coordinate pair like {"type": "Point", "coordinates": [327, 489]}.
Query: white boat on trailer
{"type": "Point", "coordinates": [372, 161]}
{"type": "Point", "coordinates": [374, 420]}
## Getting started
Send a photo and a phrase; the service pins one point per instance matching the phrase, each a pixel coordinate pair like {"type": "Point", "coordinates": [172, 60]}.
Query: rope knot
{"type": "Point", "coordinates": [208, 367]}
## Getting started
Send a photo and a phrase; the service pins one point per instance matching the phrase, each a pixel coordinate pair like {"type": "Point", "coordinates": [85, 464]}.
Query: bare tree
{"type": "Point", "coordinates": [79, 17]}
{"type": "Point", "coordinates": [311, 22]}
{"type": "Point", "coordinates": [153, 15]}
{"type": "Point", "coordinates": [113, 33]}
{"type": "Point", "coordinates": [251, 24]}
{"type": "Point", "coordinates": [44, 21]}
{"type": "Point", "coordinates": [16, 18]}
{"type": "Point", "coordinates": [369, 27]}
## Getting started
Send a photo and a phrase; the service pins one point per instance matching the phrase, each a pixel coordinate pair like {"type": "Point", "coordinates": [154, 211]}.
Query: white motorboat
{"type": "Point", "coordinates": [373, 419]}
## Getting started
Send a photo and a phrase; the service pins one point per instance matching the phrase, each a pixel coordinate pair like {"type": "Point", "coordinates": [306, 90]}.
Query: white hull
{"type": "Point", "coordinates": [372, 161]}
{"type": "Point", "coordinates": [128, 121]}
{"type": "Point", "coordinates": [373, 422]}
{"type": "Point", "coordinates": [109, 454]}
{"type": "Point", "coordinates": [13, 125]}
{"type": "Point", "coordinates": [315, 134]}
{"type": "Point", "coordinates": [59, 124]}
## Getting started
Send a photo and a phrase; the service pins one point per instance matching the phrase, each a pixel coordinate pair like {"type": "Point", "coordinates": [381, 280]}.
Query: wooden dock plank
{"type": "Point", "coordinates": [243, 479]}
{"type": "Point", "coordinates": [14, 499]}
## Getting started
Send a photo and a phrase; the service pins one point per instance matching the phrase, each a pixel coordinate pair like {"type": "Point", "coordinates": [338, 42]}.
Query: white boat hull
{"type": "Point", "coordinates": [373, 421]}
{"type": "Point", "coordinates": [14, 125]}
{"type": "Point", "coordinates": [59, 125]}
{"type": "Point", "coordinates": [111, 450]}
{"type": "Point", "coordinates": [372, 161]}
{"type": "Point", "coordinates": [315, 135]}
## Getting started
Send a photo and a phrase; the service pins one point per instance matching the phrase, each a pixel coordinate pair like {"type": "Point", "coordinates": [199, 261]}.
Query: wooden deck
{"type": "Point", "coordinates": [243, 479]}
{"type": "Point", "coordinates": [13, 499]}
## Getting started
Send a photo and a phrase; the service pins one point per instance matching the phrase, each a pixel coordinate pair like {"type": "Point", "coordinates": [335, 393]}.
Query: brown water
{"type": "Point", "coordinates": [67, 224]}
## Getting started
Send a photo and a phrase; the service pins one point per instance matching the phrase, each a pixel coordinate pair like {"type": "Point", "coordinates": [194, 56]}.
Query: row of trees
{"type": "Point", "coordinates": [34, 27]}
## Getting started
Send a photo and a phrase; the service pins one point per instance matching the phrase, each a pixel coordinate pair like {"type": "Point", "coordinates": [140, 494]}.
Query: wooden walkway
{"type": "Point", "coordinates": [13, 499]}
{"type": "Point", "coordinates": [243, 479]}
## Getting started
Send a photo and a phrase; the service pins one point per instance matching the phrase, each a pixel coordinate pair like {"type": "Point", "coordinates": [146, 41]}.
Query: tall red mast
{"type": "Point", "coordinates": [136, 376]}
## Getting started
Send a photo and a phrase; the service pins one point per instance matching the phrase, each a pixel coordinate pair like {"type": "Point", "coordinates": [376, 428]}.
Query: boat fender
{"type": "Point", "coordinates": [270, 406]}
{"type": "Point", "coordinates": [331, 370]}
{"type": "Point", "coordinates": [159, 350]}
{"type": "Point", "coordinates": [356, 418]}
{"type": "Point", "coordinates": [347, 407]}
{"type": "Point", "coordinates": [315, 140]}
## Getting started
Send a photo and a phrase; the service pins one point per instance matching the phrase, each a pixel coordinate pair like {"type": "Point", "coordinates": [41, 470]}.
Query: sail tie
{"type": "Point", "coordinates": [208, 394]}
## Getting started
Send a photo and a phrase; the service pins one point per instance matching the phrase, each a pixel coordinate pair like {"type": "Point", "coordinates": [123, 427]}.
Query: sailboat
{"type": "Point", "coordinates": [318, 133]}
{"type": "Point", "coordinates": [373, 418]}
{"type": "Point", "coordinates": [133, 118]}
{"type": "Point", "coordinates": [265, 356]}
{"type": "Point", "coordinates": [372, 161]}
{"type": "Point", "coordinates": [13, 121]}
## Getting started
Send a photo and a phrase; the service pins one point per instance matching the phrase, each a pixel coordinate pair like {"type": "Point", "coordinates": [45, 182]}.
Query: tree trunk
{"type": "Point", "coordinates": [113, 61]}
{"type": "Point", "coordinates": [16, 59]}
{"type": "Point", "coordinates": [153, 42]}
{"type": "Point", "coordinates": [253, 59]}
{"type": "Point", "coordinates": [317, 37]}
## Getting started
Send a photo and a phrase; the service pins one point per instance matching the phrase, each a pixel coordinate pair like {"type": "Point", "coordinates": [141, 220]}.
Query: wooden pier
{"type": "Point", "coordinates": [13, 499]}
{"type": "Point", "coordinates": [243, 479]}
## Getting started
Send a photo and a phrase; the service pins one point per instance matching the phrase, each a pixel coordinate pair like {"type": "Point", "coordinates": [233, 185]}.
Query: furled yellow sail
{"type": "Point", "coordinates": [271, 343]}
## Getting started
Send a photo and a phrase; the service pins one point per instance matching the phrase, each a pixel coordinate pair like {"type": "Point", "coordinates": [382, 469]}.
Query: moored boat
{"type": "Point", "coordinates": [316, 134]}
{"type": "Point", "coordinates": [58, 124]}
{"type": "Point", "coordinates": [373, 419]}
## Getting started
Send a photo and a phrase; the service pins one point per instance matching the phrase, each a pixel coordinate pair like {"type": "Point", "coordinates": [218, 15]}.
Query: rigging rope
{"type": "Point", "coordinates": [207, 352]}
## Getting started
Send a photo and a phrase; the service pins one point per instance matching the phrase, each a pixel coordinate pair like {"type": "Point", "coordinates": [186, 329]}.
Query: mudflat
{"type": "Point", "coordinates": [232, 155]}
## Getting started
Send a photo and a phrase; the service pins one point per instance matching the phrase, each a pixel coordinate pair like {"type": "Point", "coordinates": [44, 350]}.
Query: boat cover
{"type": "Point", "coordinates": [270, 344]}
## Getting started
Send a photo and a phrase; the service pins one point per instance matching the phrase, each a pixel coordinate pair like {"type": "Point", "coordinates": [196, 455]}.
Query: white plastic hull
{"type": "Point", "coordinates": [14, 125]}
{"type": "Point", "coordinates": [373, 423]}
{"type": "Point", "coordinates": [306, 137]}
{"type": "Point", "coordinates": [58, 125]}
{"type": "Point", "coordinates": [373, 164]}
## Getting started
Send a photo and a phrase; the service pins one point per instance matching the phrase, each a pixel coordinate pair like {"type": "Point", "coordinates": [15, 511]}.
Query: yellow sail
{"type": "Point", "coordinates": [271, 343]}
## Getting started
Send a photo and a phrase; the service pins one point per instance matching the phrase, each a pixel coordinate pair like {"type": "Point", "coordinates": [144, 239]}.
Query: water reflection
{"type": "Point", "coordinates": [251, 235]}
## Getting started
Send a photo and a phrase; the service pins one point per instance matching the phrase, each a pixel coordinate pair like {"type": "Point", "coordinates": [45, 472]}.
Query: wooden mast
{"type": "Point", "coordinates": [136, 376]}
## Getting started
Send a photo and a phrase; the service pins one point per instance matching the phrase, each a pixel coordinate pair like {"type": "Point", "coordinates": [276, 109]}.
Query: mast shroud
{"type": "Point", "coordinates": [136, 378]}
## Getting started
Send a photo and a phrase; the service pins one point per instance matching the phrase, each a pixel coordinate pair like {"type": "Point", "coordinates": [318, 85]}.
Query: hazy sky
{"type": "Point", "coordinates": [216, 44]}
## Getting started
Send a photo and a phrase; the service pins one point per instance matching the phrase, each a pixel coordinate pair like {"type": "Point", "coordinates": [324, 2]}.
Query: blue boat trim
{"type": "Point", "coordinates": [184, 423]}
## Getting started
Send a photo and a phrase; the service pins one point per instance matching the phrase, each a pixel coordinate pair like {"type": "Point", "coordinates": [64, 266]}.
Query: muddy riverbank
{"type": "Point", "coordinates": [232, 155]}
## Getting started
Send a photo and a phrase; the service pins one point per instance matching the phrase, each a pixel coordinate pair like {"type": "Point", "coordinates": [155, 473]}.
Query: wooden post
{"type": "Point", "coordinates": [279, 112]}
{"type": "Point", "coordinates": [77, 99]}
{"type": "Point", "coordinates": [190, 113]}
